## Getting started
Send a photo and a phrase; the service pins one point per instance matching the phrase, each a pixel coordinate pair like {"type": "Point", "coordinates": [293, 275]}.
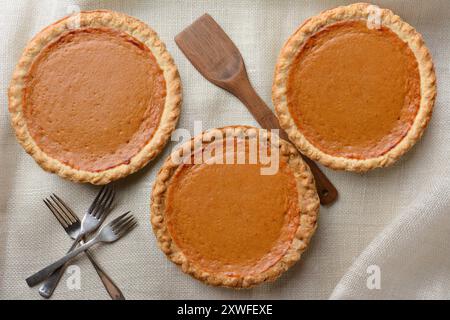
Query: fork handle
{"type": "Point", "coordinates": [49, 286]}
{"type": "Point", "coordinates": [112, 289]}
{"type": "Point", "coordinates": [47, 271]}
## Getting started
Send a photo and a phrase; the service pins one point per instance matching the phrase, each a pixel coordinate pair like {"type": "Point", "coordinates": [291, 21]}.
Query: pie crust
{"type": "Point", "coordinates": [314, 25]}
{"type": "Point", "coordinates": [305, 215]}
{"type": "Point", "coordinates": [129, 28]}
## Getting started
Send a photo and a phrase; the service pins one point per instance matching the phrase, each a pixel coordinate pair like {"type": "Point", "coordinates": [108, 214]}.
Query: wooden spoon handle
{"type": "Point", "coordinates": [265, 117]}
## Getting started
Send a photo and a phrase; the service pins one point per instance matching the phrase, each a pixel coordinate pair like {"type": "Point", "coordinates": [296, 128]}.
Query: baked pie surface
{"type": "Point", "coordinates": [230, 225]}
{"type": "Point", "coordinates": [352, 92]}
{"type": "Point", "coordinates": [95, 96]}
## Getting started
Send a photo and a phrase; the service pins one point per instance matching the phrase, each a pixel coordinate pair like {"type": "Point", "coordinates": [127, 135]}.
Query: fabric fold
{"type": "Point", "coordinates": [412, 254]}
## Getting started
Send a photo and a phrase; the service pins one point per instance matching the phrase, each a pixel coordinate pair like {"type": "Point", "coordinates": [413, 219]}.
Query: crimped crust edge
{"type": "Point", "coordinates": [309, 210]}
{"type": "Point", "coordinates": [169, 117]}
{"type": "Point", "coordinates": [427, 86]}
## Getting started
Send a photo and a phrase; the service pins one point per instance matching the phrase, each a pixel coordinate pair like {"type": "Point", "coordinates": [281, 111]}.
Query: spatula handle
{"type": "Point", "coordinates": [266, 118]}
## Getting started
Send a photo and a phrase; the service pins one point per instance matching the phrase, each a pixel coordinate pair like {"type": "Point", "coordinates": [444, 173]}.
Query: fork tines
{"type": "Point", "coordinates": [123, 224]}
{"type": "Point", "coordinates": [103, 201]}
{"type": "Point", "coordinates": [60, 210]}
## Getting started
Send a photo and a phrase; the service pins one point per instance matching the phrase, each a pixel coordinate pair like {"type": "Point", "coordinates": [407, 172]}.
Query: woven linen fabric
{"type": "Point", "coordinates": [396, 219]}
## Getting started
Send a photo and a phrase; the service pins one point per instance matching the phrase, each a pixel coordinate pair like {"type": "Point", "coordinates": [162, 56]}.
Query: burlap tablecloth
{"type": "Point", "coordinates": [397, 219]}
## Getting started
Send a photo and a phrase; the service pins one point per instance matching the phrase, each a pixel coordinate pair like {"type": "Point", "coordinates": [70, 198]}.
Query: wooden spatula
{"type": "Point", "coordinates": [216, 57]}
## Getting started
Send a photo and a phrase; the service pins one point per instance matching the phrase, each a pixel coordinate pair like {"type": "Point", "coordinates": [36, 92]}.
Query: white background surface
{"type": "Point", "coordinates": [397, 218]}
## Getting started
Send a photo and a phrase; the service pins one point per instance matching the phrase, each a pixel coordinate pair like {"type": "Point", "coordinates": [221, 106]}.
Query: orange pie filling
{"type": "Point", "coordinates": [94, 98]}
{"type": "Point", "coordinates": [231, 219]}
{"type": "Point", "coordinates": [353, 91]}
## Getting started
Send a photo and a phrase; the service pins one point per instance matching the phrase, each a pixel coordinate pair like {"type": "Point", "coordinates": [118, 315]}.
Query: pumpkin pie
{"type": "Point", "coordinates": [95, 96]}
{"type": "Point", "coordinates": [228, 223]}
{"type": "Point", "coordinates": [354, 87]}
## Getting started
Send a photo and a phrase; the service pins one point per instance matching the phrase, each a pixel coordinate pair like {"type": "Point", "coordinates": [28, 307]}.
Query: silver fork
{"type": "Point", "coordinates": [71, 224]}
{"type": "Point", "coordinates": [111, 232]}
{"type": "Point", "coordinates": [93, 218]}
